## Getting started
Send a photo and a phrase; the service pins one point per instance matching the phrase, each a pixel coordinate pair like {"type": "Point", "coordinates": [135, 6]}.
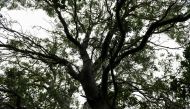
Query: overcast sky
{"type": "Point", "coordinates": [28, 18]}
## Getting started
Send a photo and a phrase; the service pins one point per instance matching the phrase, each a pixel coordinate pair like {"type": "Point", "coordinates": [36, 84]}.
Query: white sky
{"type": "Point", "coordinates": [164, 40]}
{"type": "Point", "coordinates": [28, 18]}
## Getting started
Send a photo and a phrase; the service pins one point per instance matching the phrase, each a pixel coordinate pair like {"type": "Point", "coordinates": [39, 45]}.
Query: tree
{"type": "Point", "coordinates": [112, 46]}
{"type": "Point", "coordinates": [180, 85]}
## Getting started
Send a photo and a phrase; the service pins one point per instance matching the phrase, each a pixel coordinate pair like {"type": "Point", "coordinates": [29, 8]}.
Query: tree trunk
{"type": "Point", "coordinates": [93, 94]}
{"type": "Point", "coordinates": [99, 104]}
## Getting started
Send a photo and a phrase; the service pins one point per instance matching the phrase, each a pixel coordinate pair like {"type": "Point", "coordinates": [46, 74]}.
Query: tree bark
{"type": "Point", "coordinates": [94, 97]}
{"type": "Point", "coordinates": [93, 94]}
{"type": "Point", "coordinates": [99, 104]}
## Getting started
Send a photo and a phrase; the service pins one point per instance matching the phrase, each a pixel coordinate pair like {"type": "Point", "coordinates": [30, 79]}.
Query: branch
{"type": "Point", "coordinates": [25, 37]}
{"type": "Point", "coordinates": [165, 29]}
{"type": "Point", "coordinates": [164, 46]}
{"type": "Point", "coordinates": [106, 43]}
{"type": "Point", "coordinates": [108, 10]}
{"type": "Point", "coordinates": [39, 56]}
{"type": "Point", "coordinates": [176, 19]}
{"type": "Point", "coordinates": [104, 49]}
{"type": "Point", "coordinates": [115, 87]}
{"type": "Point", "coordinates": [104, 52]}
{"type": "Point", "coordinates": [119, 5]}
{"type": "Point", "coordinates": [63, 22]}
{"type": "Point", "coordinates": [167, 11]}
{"type": "Point", "coordinates": [87, 37]}
{"type": "Point", "coordinates": [83, 53]}
{"type": "Point", "coordinates": [104, 82]}
{"type": "Point", "coordinates": [151, 29]}
{"type": "Point", "coordinates": [75, 19]}
{"type": "Point", "coordinates": [69, 36]}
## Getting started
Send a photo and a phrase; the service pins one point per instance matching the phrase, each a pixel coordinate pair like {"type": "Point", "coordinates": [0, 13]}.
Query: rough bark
{"type": "Point", "coordinates": [95, 98]}
{"type": "Point", "coordinates": [98, 102]}
{"type": "Point", "coordinates": [92, 92]}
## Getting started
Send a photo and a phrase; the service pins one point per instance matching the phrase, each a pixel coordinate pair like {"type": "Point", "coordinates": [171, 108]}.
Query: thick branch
{"type": "Point", "coordinates": [119, 5]}
{"type": "Point", "coordinates": [87, 38]}
{"type": "Point", "coordinates": [104, 83]}
{"type": "Point", "coordinates": [168, 10]}
{"type": "Point", "coordinates": [179, 18]}
{"type": "Point", "coordinates": [115, 87]}
{"type": "Point", "coordinates": [105, 45]}
{"type": "Point", "coordinates": [69, 36]}
{"type": "Point", "coordinates": [104, 49]}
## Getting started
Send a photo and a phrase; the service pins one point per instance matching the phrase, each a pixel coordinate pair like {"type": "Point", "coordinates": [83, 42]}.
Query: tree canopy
{"type": "Point", "coordinates": [104, 47]}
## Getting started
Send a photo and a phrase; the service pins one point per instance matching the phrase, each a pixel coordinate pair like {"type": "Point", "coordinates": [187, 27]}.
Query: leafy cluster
{"type": "Point", "coordinates": [105, 47]}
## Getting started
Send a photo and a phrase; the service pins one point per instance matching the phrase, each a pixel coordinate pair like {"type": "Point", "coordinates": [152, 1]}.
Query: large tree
{"type": "Point", "coordinates": [104, 46]}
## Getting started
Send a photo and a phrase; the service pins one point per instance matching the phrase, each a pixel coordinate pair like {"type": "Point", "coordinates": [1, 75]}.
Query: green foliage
{"type": "Point", "coordinates": [37, 89]}
{"type": "Point", "coordinates": [90, 38]}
